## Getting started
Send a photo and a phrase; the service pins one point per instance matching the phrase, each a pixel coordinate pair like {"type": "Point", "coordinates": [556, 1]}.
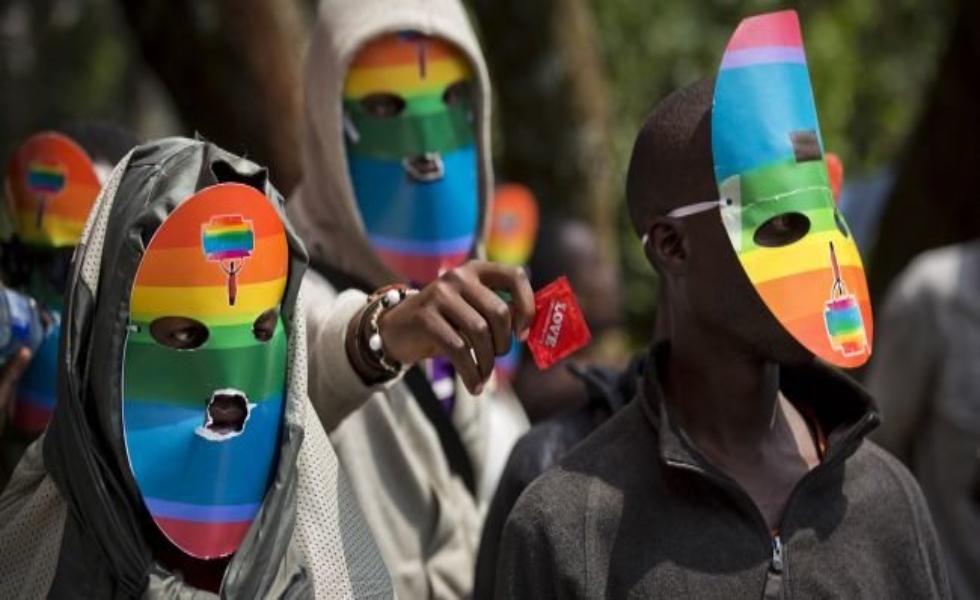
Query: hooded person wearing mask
{"type": "Point", "coordinates": [51, 183]}
{"type": "Point", "coordinates": [183, 458]}
{"type": "Point", "coordinates": [397, 177]}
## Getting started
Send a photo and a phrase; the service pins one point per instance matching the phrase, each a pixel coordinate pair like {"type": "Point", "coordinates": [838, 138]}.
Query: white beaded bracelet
{"type": "Point", "coordinates": [389, 298]}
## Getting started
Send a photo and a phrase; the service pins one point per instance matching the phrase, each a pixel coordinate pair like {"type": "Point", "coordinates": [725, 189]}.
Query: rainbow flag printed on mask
{"type": "Point", "coordinates": [51, 186]}
{"type": "Point", "coordinates": [779, 212]}
{"type": "Point", "coordinates": [205, 367]}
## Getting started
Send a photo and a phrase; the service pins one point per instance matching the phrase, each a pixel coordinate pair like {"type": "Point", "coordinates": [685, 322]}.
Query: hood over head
{"type": "Point", "coordinates": [324, 209]}
{"type": "Point", "coordinates": [89, 449]}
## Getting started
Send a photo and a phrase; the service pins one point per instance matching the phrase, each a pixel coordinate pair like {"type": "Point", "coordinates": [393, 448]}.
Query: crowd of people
{"type": "Point", "coordinates": [208, 389]}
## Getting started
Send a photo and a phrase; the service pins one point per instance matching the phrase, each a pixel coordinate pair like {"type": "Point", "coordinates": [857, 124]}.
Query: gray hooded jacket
{"type": "Point", "coordinates": [427, 524]}
{"type": "Point", "coordinates": [72, 523]}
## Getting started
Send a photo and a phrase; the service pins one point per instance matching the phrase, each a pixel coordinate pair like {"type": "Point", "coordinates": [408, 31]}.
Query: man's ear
{"type": "Point", "coordinates": [667, 246]}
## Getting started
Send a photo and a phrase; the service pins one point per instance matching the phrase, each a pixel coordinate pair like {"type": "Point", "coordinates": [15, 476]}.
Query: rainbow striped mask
{"type": "Point", "coordinates": [205, 367]}
{"type": "Point", "coordinates": [51, 187]}
{"type": "Point", "coordinates": [777, 205]}
{"type": "Point", "coordinates": [411, 152]}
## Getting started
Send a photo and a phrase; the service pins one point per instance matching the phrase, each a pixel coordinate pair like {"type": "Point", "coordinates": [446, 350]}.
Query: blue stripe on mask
{"type": "Point", "coordinates": [403, 211]}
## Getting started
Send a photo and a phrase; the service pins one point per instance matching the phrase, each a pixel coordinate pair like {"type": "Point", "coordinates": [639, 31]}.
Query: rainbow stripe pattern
{"type": "Point", "coordinates": [845, 326]}
{"type": "Point", "coordinates": [45, 178]}
{"type": "Point", "coordinates": [769, 161]}
{"type": "Point", "coordinates": [37, 391]}
{"type": "Point", "coordinates": [227, 238]}
{"type": "Point", "coordinates": [51, 186]}
{"type": "Point", "coordinates": [418, 225]}
{"type": "Point", "coordinates": [203, 491]}
{"type": "Point", "coordinates": [513, 224]}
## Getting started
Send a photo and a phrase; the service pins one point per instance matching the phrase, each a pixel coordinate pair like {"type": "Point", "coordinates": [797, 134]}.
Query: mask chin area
{"type": "Point", "coordinates": [782, 230]}
{"type": "Point", "coordinates": [226, 413]}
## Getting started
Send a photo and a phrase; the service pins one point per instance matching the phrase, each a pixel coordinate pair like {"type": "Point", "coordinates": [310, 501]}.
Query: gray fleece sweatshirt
{"type": "Point", "coordinates": [636, 511]}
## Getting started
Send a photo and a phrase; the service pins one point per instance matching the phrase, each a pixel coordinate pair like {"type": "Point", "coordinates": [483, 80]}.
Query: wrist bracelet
{"type": "Point", "coordinates": [380, 302]}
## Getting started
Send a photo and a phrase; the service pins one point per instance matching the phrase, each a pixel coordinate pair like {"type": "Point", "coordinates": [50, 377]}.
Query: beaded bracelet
{"type": "Point", "coordinates": [380, 302]}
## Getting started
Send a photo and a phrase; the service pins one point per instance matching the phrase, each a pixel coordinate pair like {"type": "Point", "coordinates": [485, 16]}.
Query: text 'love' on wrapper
{"type": "Point", "coordinates": [559, 328]}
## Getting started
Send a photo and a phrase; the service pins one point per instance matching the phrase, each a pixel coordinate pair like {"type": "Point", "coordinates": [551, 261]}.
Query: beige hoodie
{"type": "Point", "coordinates": [323, 209]}
{"type": "Point", "coordinates": [426, 524]}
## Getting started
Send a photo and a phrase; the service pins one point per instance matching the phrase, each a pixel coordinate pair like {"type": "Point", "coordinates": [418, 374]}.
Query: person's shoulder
{"type": "Point", "coordinates": [936, 272]}
{"type": "Point", "coordinates": [547, 442]}
{"type": "Point", "coordinates": [601, 459]}
{"type": "Point", "coordinates": [614, 443]}
{"type": "Point", "coordinates": [885, 479]}
{"type": "Point", "coordinates": [316, 287]}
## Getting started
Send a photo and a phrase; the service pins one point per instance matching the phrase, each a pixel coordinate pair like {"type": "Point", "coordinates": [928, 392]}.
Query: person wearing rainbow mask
{"type": "Point", "coordinates": [741, 468]}
{"type": "Point", "coordinates": [183, 458]}
{"type": "Point", "coordinates": [395, 191]}
{"type": "Point", "coordinates": [51, 184]}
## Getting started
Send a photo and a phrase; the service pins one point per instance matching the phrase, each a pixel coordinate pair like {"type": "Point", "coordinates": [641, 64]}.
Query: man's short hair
{"type": "Point", "coordinates": [672, 163]}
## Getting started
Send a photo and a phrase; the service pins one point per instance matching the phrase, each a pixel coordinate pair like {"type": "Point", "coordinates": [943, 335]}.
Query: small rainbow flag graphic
{"type": "Point", "coordinates": [228, 240]}
{"type": "Point", "coordinates": [843, 316]}
{"type": "Point", "coordinates": [45, 179]}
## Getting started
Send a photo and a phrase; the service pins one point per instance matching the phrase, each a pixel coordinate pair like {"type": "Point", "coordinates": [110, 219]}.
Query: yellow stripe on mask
{"type": "Point", "coordinates": [54, 231]}
{"type": "Point", "coordinates": [206, 304]}
{"type": "Point", "coordinates": [809, 254]}
{"type": "Point", "coordinates": [405, 80]}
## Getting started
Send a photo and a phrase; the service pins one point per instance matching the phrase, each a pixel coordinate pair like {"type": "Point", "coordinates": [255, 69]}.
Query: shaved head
{"type": "Point", "coordinates": [672, 162]}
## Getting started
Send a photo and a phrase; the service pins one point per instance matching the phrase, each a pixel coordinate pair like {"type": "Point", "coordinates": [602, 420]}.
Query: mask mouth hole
{"type": "Point", "coordinates": [226, 414]}
{"type": "Point", "coordinates": [782, 230]}
{"type": "Point", "coordinates": [425, 167]}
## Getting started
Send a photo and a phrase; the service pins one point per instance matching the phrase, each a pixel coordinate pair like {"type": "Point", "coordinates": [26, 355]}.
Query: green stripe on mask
{"type": "Point", "coordinates": [417, 130]}
{"type": "Point", "coordinates": [189, 377]}
{"type": "Point", "coordinates": [783, 179]}
{"type": "Point", "coordinates": [220, 337]}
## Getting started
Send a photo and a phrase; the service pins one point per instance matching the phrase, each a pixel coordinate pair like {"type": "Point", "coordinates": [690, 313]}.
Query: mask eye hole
{"type": "Point", "coordinates": [383, 104]}
{"type": "Point", "coordinates": [457, 93]}
{"type": "Point", "coordinates": [782, 230]}
{"type": "Point", "coordinates": [265, 325]}
{"type": "Point", "coordinates": [179, 333]}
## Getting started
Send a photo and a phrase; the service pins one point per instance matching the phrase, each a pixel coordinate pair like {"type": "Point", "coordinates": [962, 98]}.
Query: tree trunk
{"type": "Point", "coordinates": [233, 71]}
{"type": "Point", "coordinates": [935, 201]}
{"type": "Point", "coordinates": [552, 106]}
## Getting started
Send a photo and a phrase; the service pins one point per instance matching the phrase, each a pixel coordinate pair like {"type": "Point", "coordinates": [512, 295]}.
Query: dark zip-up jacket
{"type": "Point", "coordinates": [637, 511]}
{"type": "Point", "coordinates": [543, 446]}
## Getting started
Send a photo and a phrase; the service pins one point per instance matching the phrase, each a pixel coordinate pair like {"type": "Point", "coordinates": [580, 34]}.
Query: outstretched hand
{"type": "Point", "coordinates": [461, 316]}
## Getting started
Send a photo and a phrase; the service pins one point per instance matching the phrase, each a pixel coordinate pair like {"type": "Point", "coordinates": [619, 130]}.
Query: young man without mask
{"type": "Point", "coordinates": [741, 469]}
{"type": "Point", "coordinates": [396, 183]}
{"type": "Point", "coordinates": [51, 183]}
{"type": "Point", "coordinates": [183, 458]}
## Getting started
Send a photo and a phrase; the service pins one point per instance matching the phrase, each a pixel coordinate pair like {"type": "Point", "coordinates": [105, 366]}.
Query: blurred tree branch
{"type": "Point", "coordinates": [934, 200]}
{"type": "Point", "coordinates": [552, 106]}
{"type": "Point", "coordinates": [233, 70]}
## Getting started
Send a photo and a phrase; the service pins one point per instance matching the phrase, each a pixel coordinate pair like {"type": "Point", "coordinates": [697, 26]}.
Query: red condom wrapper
{"type": "Point", "coordinates": [558, 329]}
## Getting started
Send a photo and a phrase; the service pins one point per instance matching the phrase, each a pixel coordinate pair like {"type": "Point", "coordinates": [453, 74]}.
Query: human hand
{"type": "Point", "coordinates": [10, 376]}
{"type": "Point", "coordinates": [460, 316]}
